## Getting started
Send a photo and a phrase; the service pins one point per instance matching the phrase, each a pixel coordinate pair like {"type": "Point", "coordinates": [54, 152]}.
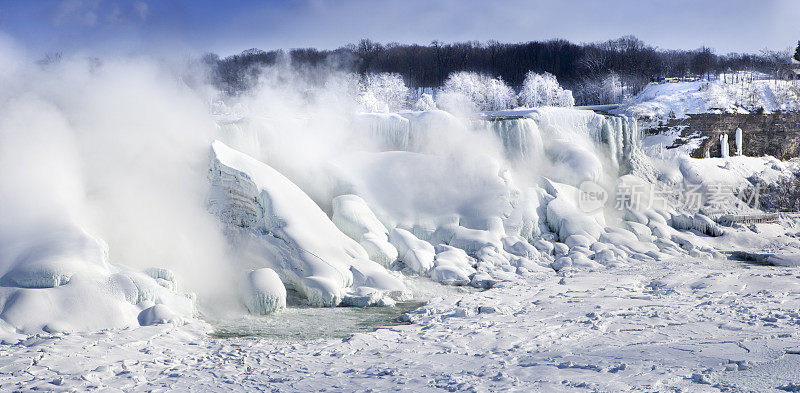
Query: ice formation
{"type": "Point", "coordinates": [263, 292]}
{"type": "Point", "coordinates": [520, 138]}
{"type": "Point", "coordinates": [724, 146]}
{"type": "Point", "coordinates": [738, 141]}
{"type": "Point", "coordinates": [311, 255]}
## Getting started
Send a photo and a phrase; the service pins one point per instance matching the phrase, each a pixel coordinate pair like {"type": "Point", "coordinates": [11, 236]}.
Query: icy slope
{"type": "Point", "coordinates": [311, 254]}
{"type": "Point", "coordinates": [682, 98]}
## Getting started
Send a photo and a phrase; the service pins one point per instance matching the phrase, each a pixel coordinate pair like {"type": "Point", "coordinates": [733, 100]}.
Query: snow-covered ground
{"type": "Point", "coordinates": [681, 98]}
{"type": "Point", "coordinates": [680, 324]}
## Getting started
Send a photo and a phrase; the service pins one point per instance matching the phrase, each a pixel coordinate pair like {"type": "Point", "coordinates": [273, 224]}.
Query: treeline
{"type": "Point", "coordinates": [577, 66]}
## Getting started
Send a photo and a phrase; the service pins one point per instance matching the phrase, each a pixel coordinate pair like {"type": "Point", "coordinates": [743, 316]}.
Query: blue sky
{"type": "Point", "coordinates": [231, 26]}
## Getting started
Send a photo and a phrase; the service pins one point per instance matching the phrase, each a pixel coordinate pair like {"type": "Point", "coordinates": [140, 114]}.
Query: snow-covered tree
{"type": "Point", "coordinates": [544, 90]}
{"type": "Point", "coordinates": [367, 102]}
{"type": "Point", "coordinates": [425, 103]}
{"type": "Point", "coordinates": [499, 95]}
{"type": "Point", "coordinates": [601, 90]}
{"type": "Point", "coordinates": [382, 92]}
{"type": "Point", "coordinates": [480, 92]}
{"type": "Point", "coordinates": [612, 88]}
{"type": "Point", "coordinates": [797, 52]}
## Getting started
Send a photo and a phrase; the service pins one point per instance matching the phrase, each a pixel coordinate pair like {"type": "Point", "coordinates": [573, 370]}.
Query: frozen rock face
{"type": "Point", "coordinates": [307, 250]}
{"type": "Point", "coordinates": [256, 195]}
{"type": "Point", "coordinates": [353, 217]}
{"type": "Point", "coordinates": [264, 292]}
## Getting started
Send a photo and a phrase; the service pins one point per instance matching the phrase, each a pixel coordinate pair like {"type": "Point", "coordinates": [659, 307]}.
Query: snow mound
{"type": "Point", "coordinates": [565, 218]}
{"type": "Point", "coordinates": [157, 315]}
{"type": "Point", "coordinates": [53, 258]}
{"type": "Point", "coordinates": [62, 281]}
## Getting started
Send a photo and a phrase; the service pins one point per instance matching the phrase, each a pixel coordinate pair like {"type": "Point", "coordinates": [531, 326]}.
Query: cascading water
{"type": "Point", "coordinates": [391, 131]}
{"type": "Point", "coordinates": [519, 136]}
{"type": "Point", "coordinates": [585, 142]}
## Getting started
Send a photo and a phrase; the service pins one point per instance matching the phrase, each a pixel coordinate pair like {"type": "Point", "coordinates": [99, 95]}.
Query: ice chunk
{"type": "Point", "coordinates": [321, 291]}
{"type": "Point", "coordinates": [367, 273]}
{"type": "Point", "coordinates": [264, 292]}
{"type": "Point", "coordinates": [448, 255]}
{"type": "Point", "coordinates": [626, 241]}
{"type": "Point", "coordinates": [561, 263]}
{"type": "Point", "coordinates": [469, 240]}
{"type": "Point", "coordinates": [544, 246]}
{"type": "Point", "coordinates": [366, 297]}
{"type": "Point", "coordinates": [518, 246]}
